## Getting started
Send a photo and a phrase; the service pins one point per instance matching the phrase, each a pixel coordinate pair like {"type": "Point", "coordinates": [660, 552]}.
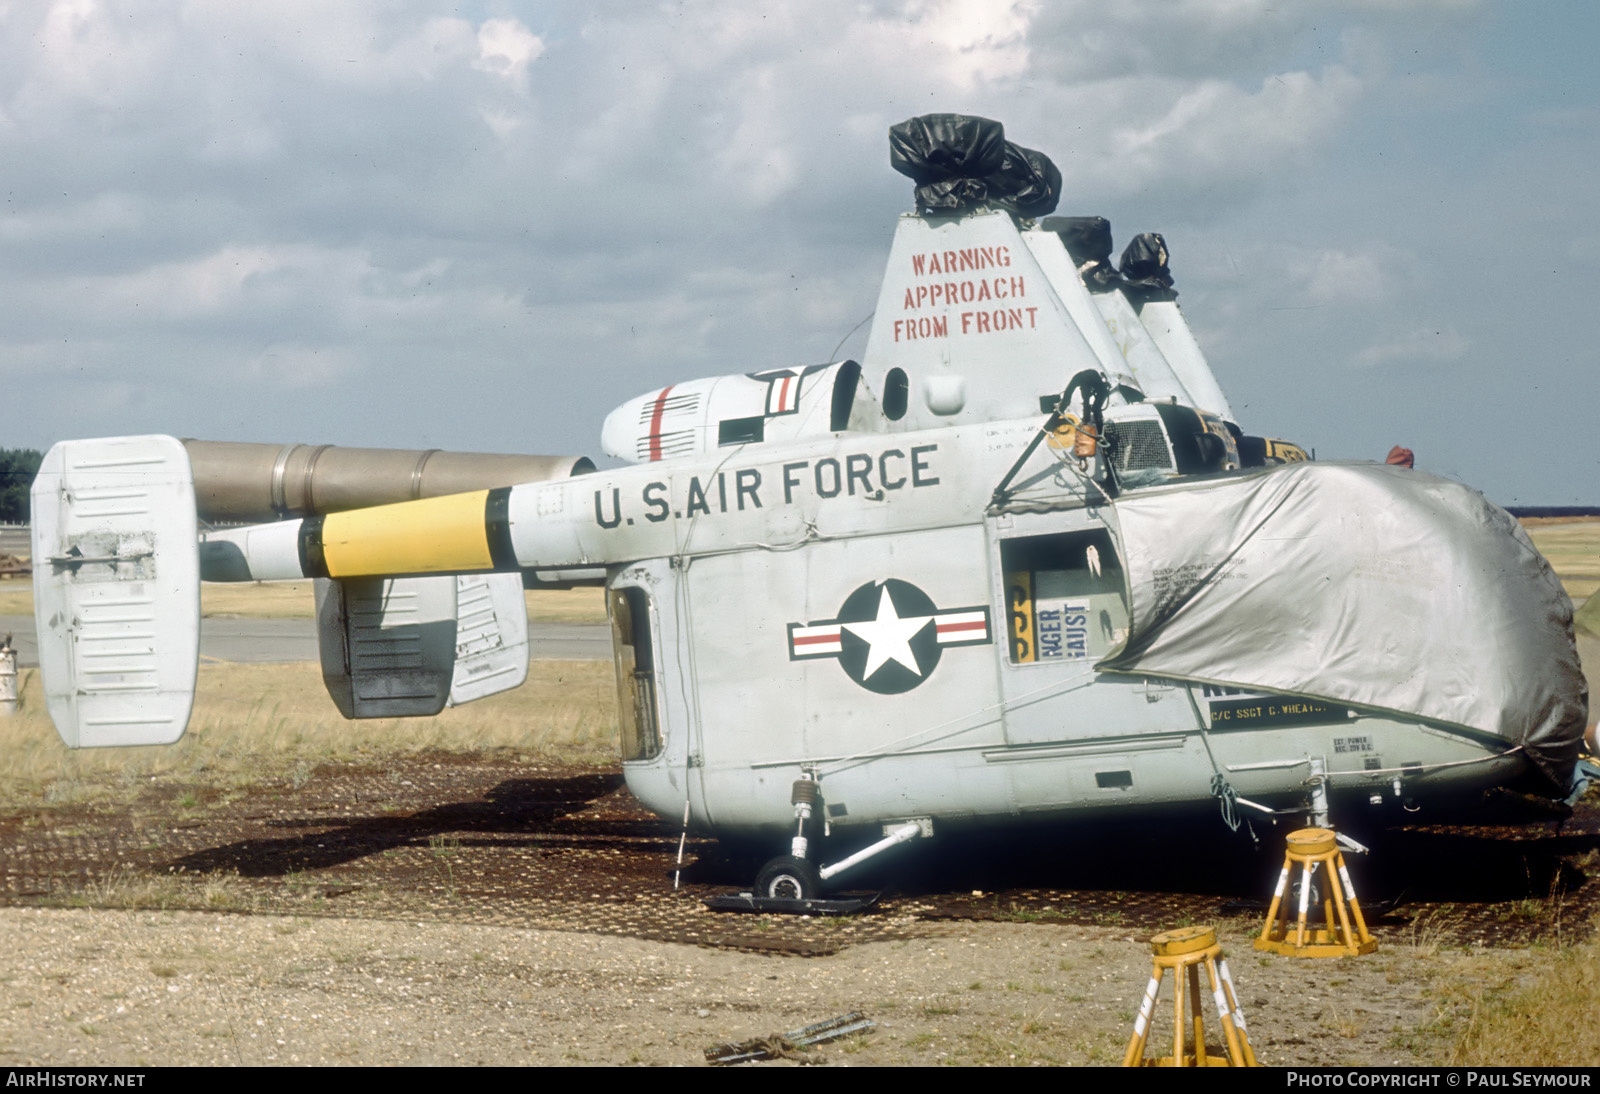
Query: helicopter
{"type": "Point", "coordinates": [1019, 563]}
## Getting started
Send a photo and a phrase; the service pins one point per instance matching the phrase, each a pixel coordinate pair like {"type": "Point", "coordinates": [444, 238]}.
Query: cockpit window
{"type": "Point", "coordinates": [1139, 452]}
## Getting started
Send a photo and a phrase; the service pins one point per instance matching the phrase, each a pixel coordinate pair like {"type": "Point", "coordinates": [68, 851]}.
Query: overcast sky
{"type": "Point", "coordinates": [481, 226]}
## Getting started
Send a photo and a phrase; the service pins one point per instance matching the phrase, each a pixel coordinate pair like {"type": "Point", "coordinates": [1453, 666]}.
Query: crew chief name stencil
{"type": "Point", "coordinates": [889, 635]}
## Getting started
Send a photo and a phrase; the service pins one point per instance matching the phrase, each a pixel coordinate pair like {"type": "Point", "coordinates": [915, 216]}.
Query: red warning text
{"type": "Point", "coordinates": [943, 293]}
{"type": "Point", "coordinates": [948, 293]}
{"type": "Point", "coordinates": [990, 322]}
{"type": "Point", "coordinates": [909, 330]}
{"type": "Point", "coordinates": [976, 259]}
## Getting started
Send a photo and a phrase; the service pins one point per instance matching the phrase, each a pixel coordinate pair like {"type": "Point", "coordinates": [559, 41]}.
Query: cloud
{"type": "Point", "coordinates": [1358, 276]}
{"type": "Point", "coordinates": [1194, 40]}
{"type": "Point", "coordinates": [1183, 137]}
{"type": "Point", "coordinates": [1338, 276]}
{"type": "Point", "coordinates": [292, 367]}
{"type": "Point", "coordinates": [492, 225]}
{"type": "Point", "coordinates": [1419, 346]}
{"type": "Point", "coordinates": [506, 48]}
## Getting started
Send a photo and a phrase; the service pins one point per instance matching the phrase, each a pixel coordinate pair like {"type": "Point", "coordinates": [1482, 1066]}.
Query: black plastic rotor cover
{"type": "Point", "coordinates": [959, 162]}
{"type": "Point", "coordinates": [1088, 243]}
{"type": "Point", "coordinates": [1144, 261]}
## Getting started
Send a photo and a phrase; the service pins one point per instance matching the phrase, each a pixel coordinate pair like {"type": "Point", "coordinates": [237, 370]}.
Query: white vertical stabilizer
{"type": "Point", "coordinates": [970, 318]}
{"type": "Point", "coordinates": [1149, 365]}
{"type": "Point", "coordinates": [1164, 320]}
{"type": "Point", "coordinates": [1057, 265]}
{"type": "Point", "coordinates": [388, 645]}
{"type": "Point", "coordinates": [116, 585]}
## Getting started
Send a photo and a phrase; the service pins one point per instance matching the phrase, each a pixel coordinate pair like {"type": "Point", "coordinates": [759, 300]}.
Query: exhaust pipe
{"type": "Point", "coordinates": [253, 483]}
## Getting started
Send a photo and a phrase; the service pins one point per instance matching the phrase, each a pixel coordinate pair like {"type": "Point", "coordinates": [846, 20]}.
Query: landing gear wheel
{"type": "Point", "coordinates": [788, 878]}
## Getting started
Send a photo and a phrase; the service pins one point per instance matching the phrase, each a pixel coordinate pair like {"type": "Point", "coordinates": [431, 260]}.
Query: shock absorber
{"type": "Point", "coordinates": [804, 796]}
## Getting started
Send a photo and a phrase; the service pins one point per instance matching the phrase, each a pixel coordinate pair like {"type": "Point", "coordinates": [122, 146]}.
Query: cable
{"type": "Point", "coordinates": [834, 356]}
{"type": "Point", "coordinates": [1221, 789]}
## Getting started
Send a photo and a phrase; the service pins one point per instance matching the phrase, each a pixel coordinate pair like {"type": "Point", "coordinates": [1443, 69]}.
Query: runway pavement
{"type": "Point", "coordinates": [296, 640]}
{"type": "Point", "coordinates": [14, 538]}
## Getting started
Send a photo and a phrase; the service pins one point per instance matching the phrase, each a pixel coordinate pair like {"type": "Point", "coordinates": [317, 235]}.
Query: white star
{"type": "Point", "coordinates": [888, 637]}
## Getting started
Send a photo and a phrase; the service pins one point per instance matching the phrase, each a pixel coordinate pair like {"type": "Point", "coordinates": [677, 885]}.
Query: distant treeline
{"type": "Point", "coordinates": [17, 468]}
{"type": "Point", "coordinates": [1553, 511]}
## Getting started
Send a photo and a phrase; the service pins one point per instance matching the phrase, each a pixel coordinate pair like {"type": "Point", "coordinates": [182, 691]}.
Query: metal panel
{"type": "Point", "coordinates": [240, 481]}
{"type": "Point", "coordinates": [966, 298]}
{"type": "Point", "coordinates": [1064, 612]}
{"type": "Point", "coordinates": [1057, 265]}
{"type": "Point", "coordinates": [700, 416]}
{"type": "Point", "coordinates": [875, 662]}
{"type": "Point", "coordinates": [117, 589]}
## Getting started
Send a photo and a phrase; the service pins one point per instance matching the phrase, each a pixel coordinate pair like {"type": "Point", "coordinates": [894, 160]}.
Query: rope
{"type": "Point", "coordinates": [1221, 789]}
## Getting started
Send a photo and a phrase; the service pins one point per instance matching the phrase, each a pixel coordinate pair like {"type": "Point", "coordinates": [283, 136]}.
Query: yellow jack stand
{"type": "Point", "coordinates": [1312, 848]}
{"type": "Point", "coordinates": [1185, 950]}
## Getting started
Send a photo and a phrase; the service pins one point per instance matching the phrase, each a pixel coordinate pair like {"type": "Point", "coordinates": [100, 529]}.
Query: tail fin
{"type": "Point", "coordinates": [116, 585]}
{"type": "Point", "coordinates": [388, 645]}
{"type": "Point", "coordinates": [117, 599]}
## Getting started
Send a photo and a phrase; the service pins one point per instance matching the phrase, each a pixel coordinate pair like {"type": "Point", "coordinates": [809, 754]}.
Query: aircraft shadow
{"type": "Point", "coordinates": [540, 810]}
{"type": "Point", "coordinates": [1423, 866]}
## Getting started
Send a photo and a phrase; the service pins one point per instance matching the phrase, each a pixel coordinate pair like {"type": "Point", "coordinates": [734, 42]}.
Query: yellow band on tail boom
{"type": "Point", "coordinates": [434, 535]}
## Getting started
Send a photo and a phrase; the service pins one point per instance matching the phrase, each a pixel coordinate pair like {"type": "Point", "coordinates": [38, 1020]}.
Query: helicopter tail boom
{"type": "Point", "coordinates": [118, 588]}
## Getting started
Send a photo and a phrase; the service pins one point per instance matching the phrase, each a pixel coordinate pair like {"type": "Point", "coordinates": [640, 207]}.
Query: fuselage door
{"type": "Point", "coordinates": [655, 706]}
{"type": "Point", "coordinates": [633, 646]}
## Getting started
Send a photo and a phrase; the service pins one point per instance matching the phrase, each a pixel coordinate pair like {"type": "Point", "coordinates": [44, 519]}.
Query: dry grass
{"type": "Point", "coordinates": [258, 600]}
{"type": "Point", "coordinates": [1544, 1016]}
{"type": "Point", "coordinates": [254, 722]}
{"type": "Point", "coordinates": [1574, 550]}
{"type": "Point", "coordinates": [126, 888]}
{"type": "Point", "coordinates": [16, 596]}
{"type": "Point", "coordinates": [1587, 620]}
{"type": "Point", "coordinates": [585, 605]}
{"type": "Point", "coordinates": [293, 600]}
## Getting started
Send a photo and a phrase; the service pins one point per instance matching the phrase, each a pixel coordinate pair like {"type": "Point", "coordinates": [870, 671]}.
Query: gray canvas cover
{"type": "Point", "coordinates": [1374, 586]}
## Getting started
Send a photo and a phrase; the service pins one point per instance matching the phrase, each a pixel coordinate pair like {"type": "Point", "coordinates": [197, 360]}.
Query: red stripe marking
{"type": "Point", "coordinates": [976, 625]}
{"type": "Point", "coordinates": [811, 640]}
{"type": "Point", "coordinates": [655, 422]}
{"type": "Point", "coordinates": [783, 394]}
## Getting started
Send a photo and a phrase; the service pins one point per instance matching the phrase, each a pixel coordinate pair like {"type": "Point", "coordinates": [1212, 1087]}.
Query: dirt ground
{"type": "Point", "coordinates": [185, 988]}
{"type": "Point", "coordinates": [462, 910]}
{"type": "Point", "coordinates": [466, 913]}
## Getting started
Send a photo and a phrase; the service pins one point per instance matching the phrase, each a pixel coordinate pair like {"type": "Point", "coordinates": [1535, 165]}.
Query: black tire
{"type": "Point", "coordinates": [788, 878]}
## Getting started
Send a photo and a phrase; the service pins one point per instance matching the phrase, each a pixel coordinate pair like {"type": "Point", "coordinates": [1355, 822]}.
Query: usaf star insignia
{"type": "Point", "coordinates": [889, 635]}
